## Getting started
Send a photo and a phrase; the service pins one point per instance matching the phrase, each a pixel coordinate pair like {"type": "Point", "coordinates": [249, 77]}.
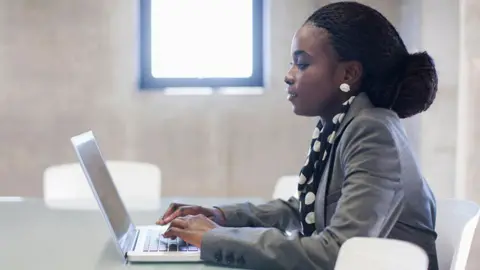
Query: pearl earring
{"type": "Point", "coordinates": [345, 87]}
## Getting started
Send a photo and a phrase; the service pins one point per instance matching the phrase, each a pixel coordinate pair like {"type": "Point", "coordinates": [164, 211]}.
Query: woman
{"type": "Point", "coordinates": [351, 68]}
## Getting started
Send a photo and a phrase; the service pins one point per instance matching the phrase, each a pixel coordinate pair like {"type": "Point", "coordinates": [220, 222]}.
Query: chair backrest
{"type": "Point", "coordinates": [139, 185]}
{"type": "Point", "coordinates": [286, 187]}
{"type": "Point", "coordinates": [380, 253]}
{"type": "Point", "coordinates": [455, 226]}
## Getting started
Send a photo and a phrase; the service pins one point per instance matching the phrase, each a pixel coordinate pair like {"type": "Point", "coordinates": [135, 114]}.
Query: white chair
{"type": "Point", "coordinates": [455, 226]}
{"type": "Point", "coordinates": [362, 253]}
{"type": "Point", "coordinates": [139, 185]}
{"type": "Point", "coordinates": [286, 187]}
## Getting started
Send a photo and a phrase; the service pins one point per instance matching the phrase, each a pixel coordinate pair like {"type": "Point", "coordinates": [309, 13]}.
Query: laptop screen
{"type": "Point", "coordinates": [105, 192]}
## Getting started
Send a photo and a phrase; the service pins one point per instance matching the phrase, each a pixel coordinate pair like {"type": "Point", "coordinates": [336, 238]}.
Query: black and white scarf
{"type": "Point", "coordinates": [318, 153]}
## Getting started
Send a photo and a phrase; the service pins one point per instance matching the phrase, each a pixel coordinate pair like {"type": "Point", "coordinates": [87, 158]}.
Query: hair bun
{"type": "Point", "coordinates": [416, 87]}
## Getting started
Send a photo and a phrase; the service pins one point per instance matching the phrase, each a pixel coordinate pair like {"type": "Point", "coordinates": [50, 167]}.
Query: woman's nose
{"type": "Point", "coordinates": [288, 80]}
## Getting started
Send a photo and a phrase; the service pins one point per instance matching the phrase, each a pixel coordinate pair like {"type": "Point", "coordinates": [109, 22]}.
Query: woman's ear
{"type": "Point", "coordinates": [352, 73]}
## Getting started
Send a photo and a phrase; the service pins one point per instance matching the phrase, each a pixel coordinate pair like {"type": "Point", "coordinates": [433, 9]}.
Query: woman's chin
{"type": "Point", "coordinates": [301, 112]}
{"type": "Point", "coordinates": [298, 110]}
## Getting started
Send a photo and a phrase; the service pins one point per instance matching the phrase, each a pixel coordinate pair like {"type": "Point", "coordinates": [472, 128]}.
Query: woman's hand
{"type": "Point", "coordinates": [176, 210]}
{"type": "Point", "coordinates": [190, 228]}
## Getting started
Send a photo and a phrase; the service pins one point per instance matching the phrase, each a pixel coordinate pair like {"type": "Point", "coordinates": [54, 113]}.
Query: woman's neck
{"type": "Point", "coordinates": [328, 117]}
{"type": "Point", "coordinates": [334, 109]}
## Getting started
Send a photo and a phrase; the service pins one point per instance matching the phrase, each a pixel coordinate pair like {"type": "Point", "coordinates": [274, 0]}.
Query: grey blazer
{"type": "Point", "coordinates": [373, 188]}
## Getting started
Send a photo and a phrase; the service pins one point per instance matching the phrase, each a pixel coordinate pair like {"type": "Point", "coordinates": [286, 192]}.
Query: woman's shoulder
{"type": "Point", "coordinates": [375, 116]}
{"type": "Point", "coordinates": [375, 123]}
{"type": "Point", "coordinates": [364, 114]}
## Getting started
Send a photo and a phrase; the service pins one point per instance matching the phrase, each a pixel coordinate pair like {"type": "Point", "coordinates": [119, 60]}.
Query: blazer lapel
{"type": "Point", "coordinates": [360, 103]}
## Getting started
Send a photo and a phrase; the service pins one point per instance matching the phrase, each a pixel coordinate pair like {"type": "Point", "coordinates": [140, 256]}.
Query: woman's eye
{"type": "Point", "coordinates": [302, 66]}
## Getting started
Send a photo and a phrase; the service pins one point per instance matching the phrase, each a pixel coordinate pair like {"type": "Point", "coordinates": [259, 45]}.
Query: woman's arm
{"type": "Point", "coordinates": [370, 205]}
{"type": "Point", "coordinates": [283, 215]}
{"type": "Point", "coordinates": [279, 214]}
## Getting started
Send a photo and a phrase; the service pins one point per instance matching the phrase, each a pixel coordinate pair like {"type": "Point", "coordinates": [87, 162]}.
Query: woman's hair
{"type": "Point", "coordinates": [392, 78]}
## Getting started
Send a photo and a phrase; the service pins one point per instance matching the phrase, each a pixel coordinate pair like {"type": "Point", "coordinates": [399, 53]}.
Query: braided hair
{"type": "Point", "coordinates": [392, 78]}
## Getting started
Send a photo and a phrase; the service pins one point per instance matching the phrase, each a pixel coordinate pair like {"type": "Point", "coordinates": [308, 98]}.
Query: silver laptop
{"type": "Point", "coordinates": [136, 243]}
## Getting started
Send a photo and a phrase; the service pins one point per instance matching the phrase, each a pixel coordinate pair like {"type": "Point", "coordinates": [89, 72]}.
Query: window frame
{"type": "Point", "coordinates": [149, 82]}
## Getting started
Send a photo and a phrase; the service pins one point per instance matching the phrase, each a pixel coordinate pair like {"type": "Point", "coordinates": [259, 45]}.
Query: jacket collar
{"type": "Point", "coordinates": [360, 103]}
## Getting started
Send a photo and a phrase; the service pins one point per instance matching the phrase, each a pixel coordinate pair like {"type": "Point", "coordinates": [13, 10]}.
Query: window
{"type": "Point", "coordinates": [207, 43]}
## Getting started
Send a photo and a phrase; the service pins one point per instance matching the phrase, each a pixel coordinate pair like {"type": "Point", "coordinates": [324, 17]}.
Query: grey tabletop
{"type": "Point", "coordinates": [33, 236]}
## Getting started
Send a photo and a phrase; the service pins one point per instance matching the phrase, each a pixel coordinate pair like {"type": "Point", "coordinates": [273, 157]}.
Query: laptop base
{"type": "Point", "coordinates": [138, 254]}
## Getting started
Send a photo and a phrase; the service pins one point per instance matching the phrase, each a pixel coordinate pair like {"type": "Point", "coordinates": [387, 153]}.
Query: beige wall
{"type": "Point", "coordinates": [67, 66]}
{"type": "Point", "coordinates": [468, 144]}
{"type": "Point", "coordinates": [469, 97]}
{"type": "Point", "coordinates": [440, 36]}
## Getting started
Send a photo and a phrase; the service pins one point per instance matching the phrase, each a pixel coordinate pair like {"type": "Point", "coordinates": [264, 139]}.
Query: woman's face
{"type": "Point", "coordinates": [314, 76]}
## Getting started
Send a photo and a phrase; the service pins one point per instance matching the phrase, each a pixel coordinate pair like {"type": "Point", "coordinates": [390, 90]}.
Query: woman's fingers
{"type": "Point", "coordinates": [180, 223]}
{"type": "Point", "coordinates": [174, 232]}
{"type": "Point", "coordinates": [172, 208]}
{"type": "Point", "coordinates": [189, 236]}
{"type": "Point", "coordinates": [181, 212]}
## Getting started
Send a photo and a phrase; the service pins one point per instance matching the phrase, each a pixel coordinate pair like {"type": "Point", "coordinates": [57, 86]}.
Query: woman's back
{"type": "Point", "coordinates": [416, 223]}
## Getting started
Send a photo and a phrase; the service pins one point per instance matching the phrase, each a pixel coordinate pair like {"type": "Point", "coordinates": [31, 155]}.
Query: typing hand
{"type": "Point", "coordinates": [190, 228]}
{"type": "Point", "coordinates": [176, 210]}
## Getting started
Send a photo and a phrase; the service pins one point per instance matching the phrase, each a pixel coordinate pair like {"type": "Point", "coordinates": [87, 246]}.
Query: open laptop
{"type": "Point", "coordinates": [136, 243]}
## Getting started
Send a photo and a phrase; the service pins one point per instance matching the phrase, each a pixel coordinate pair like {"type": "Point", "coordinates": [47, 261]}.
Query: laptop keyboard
{"type": "Point", "coordinates": [156, 242]}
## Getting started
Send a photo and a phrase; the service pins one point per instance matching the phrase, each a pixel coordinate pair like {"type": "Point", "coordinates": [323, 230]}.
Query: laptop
{"type": "Point", "coordinates": [136, 243]}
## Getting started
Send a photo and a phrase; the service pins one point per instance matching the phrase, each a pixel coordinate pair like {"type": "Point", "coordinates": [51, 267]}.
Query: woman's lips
{"type": "Point", "coordinates": [291, 95]}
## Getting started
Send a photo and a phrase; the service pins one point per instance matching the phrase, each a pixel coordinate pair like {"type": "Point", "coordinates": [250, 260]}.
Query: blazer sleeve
{"type": "Point", "coordinates": [280, 214]}
{"type": "Point", "coordinates": [370, 205]}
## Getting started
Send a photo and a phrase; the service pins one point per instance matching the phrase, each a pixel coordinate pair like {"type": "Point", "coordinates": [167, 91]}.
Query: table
{"type": "Point", "coordinates": [32, 236]}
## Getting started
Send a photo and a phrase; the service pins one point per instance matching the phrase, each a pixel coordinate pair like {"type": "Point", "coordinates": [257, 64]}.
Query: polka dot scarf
{"type": "Point", "coordinates": [318, 153]}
